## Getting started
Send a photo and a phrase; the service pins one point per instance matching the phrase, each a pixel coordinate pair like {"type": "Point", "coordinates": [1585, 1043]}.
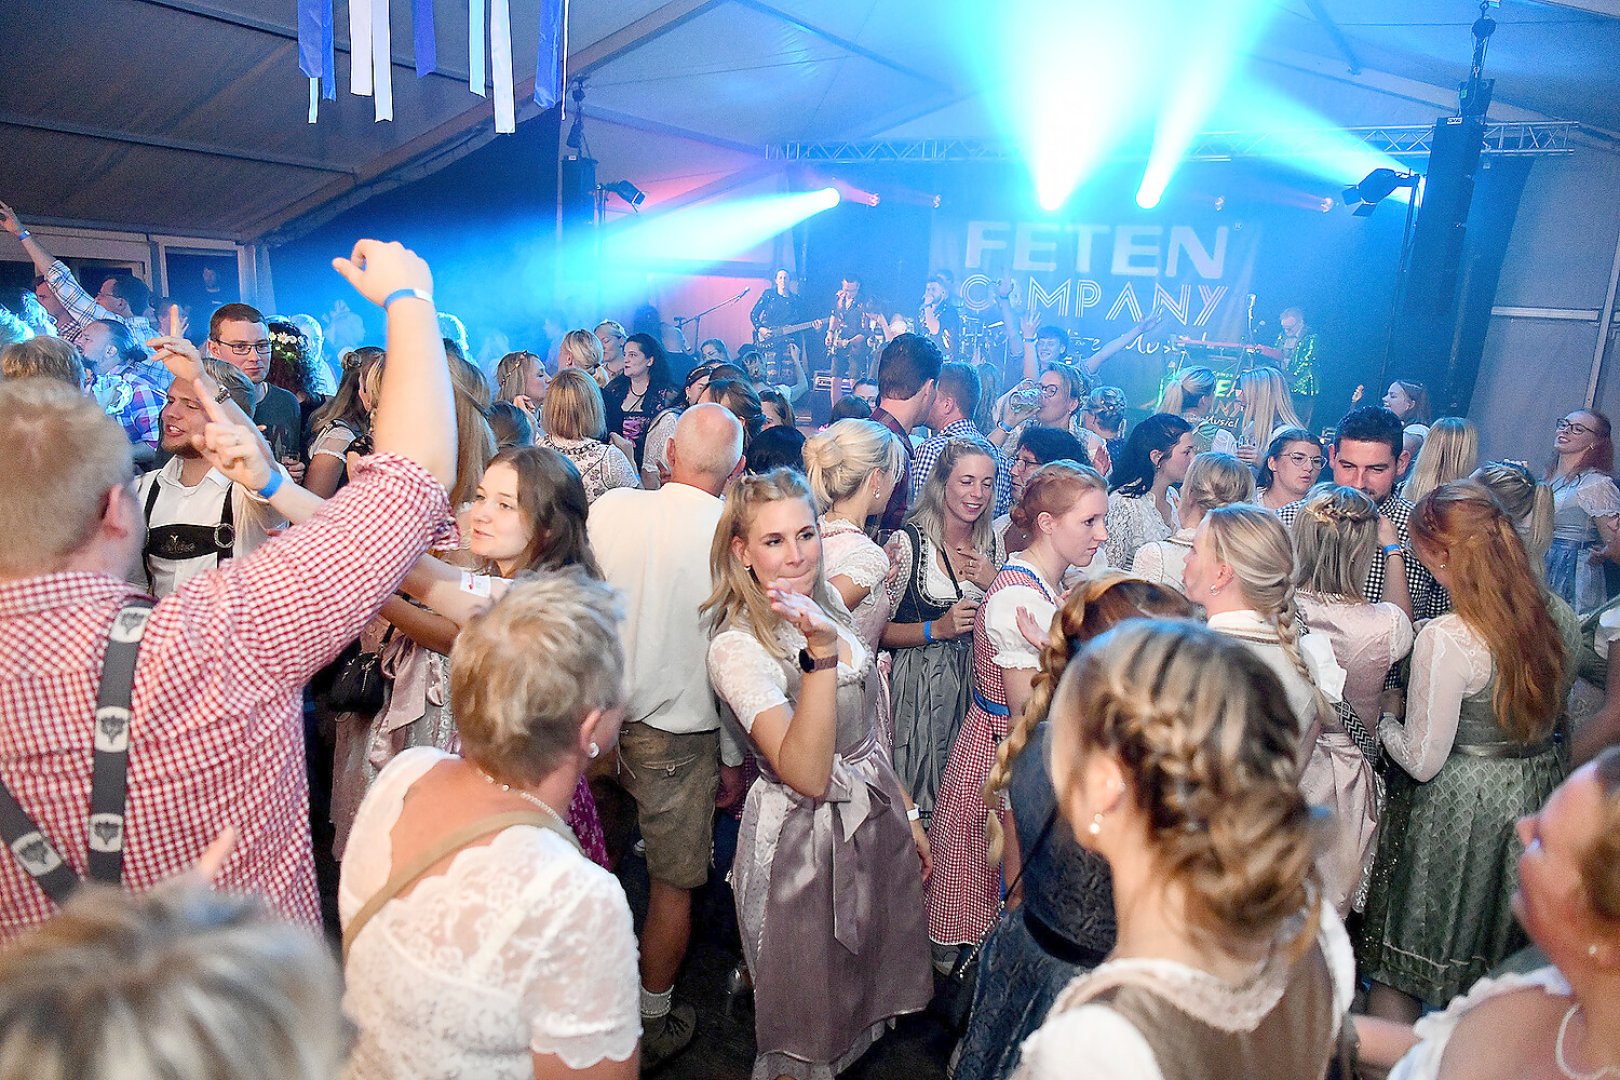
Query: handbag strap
{"type": "Point", "coordinates": [454, 841]}
{"type": "Point", "coordinates": [972, 952]}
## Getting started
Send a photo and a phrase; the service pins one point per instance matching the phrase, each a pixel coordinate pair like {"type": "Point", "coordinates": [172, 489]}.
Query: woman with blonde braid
{"type": "Point", "coordinates": [1063, 508]}
{"type": "Point", "coordinates": [1191, 396]}
{"type": "Point", "coordinates": [1476, 752]}
{"type": "Point", "coordinates": [1529, 505]}
{"type": "Point", "coordinates": [853, 467]}
{"type": "Point", "coordinates": [1450, 452]}
{"type": "Point", "coordinates": [1173, 758]}
{"type": "Point", "coordinates": [1242, 571]}
{"type": "Point", "coordinates": [1212, 480]}
{"type": "Point", "coordinates": [520, 378]}
{"type": "Point", "coordinates": [1064, 922]}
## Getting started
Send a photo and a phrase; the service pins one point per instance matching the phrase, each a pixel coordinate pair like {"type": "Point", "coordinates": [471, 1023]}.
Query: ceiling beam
{"type": "Point", "coordinates": [1319, 10]}
{"type": "Point", "coordinates": [278, 29]}
{"type": "Point", "coordinates": [658, 127]}
{"type": "Point", "coordinates": [841, 42]}
{"type": "Point", "coordinates": [191, 146]}
{"type": "Point", "coordinates": [474, 127]}
{"type": "Point", "coordinates": [1607, 8]}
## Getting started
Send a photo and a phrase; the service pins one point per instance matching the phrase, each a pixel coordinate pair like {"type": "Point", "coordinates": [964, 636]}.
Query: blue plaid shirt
{"type": "Point", "coordinates": [922, 463]}
{"type": "Point", "coordinates": [133, 395]}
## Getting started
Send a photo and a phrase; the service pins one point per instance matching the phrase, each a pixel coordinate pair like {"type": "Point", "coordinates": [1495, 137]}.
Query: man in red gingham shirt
{"type": "Point", "coordinates": [217, 736]}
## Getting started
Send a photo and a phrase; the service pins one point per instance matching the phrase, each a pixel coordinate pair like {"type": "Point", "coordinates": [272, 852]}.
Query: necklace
{"type": "Point", "coordinates": [1563, 1062]}
{"type": "Point", "coordinates": [538, 802]}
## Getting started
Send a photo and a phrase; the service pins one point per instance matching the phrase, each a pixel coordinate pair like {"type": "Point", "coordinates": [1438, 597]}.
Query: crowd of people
{"type": "Point", "coordinates": [1175, 746]}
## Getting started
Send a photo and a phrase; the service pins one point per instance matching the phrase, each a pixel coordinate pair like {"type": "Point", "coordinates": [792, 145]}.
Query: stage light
{"type": "Point", "coordinates": [1220, 203]}
{"type": "Point", "coordinates": [707, 233]}
{"type": "Point", "coordinates": [627, 191]}
{"type": "Point", "coordinates": [1327, 205]}
{"type": "Point", "coordinates": [1375, 188]}
{"type": "Point", "coordinates": [1148, 199]}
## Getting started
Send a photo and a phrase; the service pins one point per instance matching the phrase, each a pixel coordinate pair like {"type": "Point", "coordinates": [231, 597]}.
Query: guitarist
{"type": "Point", "coordinates": [851, 340]}
{"type": "Point", "coordinates": [779, 306]}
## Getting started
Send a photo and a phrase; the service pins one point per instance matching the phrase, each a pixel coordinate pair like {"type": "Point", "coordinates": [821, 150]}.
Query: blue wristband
{"type": "Point", "coordinates": [402, 294]}
{"type": "Point", "coordinates": [273, 486]}
{"type": "Point", "coordinates": [928, 632]}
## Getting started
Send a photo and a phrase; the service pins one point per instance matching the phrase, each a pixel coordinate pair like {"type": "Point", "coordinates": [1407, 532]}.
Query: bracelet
{"type": "Point", "coordinates": [25, 234]}
{"type": "Point", "coordinates": [273, 486]}
{"type": "Point", "coordinates": [1002, 424]}
{"type": "Point", "coordinates": [404, 294]}
{"type": "Point", "coordinates": [914, 814]}
{"type": "Point", "coordinates": [928, 632]}
{"type": "Point", "coordinates": [1391, 550]}
{"type": "Point", "coordinates": [1029, 339]}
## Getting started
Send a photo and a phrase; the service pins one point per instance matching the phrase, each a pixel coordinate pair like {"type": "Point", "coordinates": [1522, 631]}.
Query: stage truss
{"type": "Point", "coordinates": [1518, 139]}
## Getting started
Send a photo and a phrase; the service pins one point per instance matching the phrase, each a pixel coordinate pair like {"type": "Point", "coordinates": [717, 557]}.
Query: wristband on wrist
{"type": "Point", "coordinates": [914, 814]}
{"type": "Point", "coordinates": [1002, 424]}
{"type": "Point", "coordinates": [928, 632]}
{"type": "Point", "coordinates": [1029, 339]}
{"type": "Point", "coordinates": [273, 486]}
{"type": "Point", "coordinates": [404, 294]}
{"type": "Point", "coordinates": [1392, 550]}
{"type": "Point", "coordinates": [25, 234]}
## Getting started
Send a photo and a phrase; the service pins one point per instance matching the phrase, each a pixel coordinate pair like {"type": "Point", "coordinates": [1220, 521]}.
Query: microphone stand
{"type": "Point", "coordinates": [696, 321]}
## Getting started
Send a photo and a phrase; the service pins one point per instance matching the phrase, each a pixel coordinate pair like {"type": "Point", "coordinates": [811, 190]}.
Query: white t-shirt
{"type": "Point", "coordinates": [202, 504]}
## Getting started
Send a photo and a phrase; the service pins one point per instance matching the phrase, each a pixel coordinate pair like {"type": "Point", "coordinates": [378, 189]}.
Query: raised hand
{"type": "Point", "coordinates": [975, 567]}
{"type": "Point", "coordinates": [179, 356]}
{"type": "Point", "coordinates": [9, 220]}
{"type": "Point", "coordinates": [238, 451]}
{"type": "Point", "coordinates": [377, 269]}
{"type": "Point", "coordinates": [805, 614]}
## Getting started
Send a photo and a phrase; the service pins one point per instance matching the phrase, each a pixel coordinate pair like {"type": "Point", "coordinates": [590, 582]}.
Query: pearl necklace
{"type": "Point", "coordinates": [538, 802]}
{"type": "Point", "coordinates": [1563, 1062]}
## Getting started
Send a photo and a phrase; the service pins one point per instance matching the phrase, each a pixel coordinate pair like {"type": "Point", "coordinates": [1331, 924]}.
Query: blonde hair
{"type": "Point", "coordinates": [1527, 501]}
{"type": "Point", "coordinates": [1267, 404]}
{"type": "Point", "coordinates": [474, 437]}
{"type": "Point", "coordinates": [62, 457]}
{"type": "Point", "coordinates": [1450, 452]}
{"type": "Point", "coordinates": [1216, 480]}
{"type": "Point", "coordinates": [1501, 600]}
{"type": "Point", "coordinates": [737, 599]}
{"type": "Point", "coordinates": [1258, 549]}
{"type": "Point", "coordinates": [1335, 540]}
{"type": "Point", "coordinates": [1093, 608]}
{"type": "Point", "coordinates": [42, 357]}
{"type": "Point", "coordinates": [1053, 489]}
{"type": "Point", "coordinates": [180, 981]}
{"type": "Point", "coordinates": [573, 407]}
{"type": "Point", "coordinates": [838, 460]}
{"type": "Point", "coordinates": [1204, 735]}
{"type": "Point", "coordinates": [519, 718]}
{"type": "Point", "coordinates": [929, 513]}
{"type": "Point", "coordinates": [1195, 384]}
{"type": "Point", "coordinates": [581, 350]}
{"type": "Point", "coordinates": [510, 375]}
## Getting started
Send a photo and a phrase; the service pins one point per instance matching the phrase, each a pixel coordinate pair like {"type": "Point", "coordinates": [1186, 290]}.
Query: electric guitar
{"type": "Point", "coordinates": [762, 334]}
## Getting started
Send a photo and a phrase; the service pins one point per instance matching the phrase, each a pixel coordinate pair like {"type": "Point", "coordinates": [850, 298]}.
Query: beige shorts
{"type": "Point", "coordinates": [674, 779]}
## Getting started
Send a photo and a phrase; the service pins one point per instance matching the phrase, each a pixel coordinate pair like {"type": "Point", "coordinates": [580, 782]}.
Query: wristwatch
{"type": "Point", "coordinates": [808, 663]}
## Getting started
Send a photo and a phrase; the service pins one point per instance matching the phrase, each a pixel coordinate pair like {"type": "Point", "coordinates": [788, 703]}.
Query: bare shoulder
{"type": "Point", "coordinates": [1507, 1035]}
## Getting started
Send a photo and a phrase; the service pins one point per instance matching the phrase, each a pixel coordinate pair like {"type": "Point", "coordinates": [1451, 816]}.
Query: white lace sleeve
{"type": "Point", "coordinates": [899, 549]}
{"type": "Point", "coordinates": [659, 436]}
{"type": "Point", "coordinates": [746, 677]}
{"type": "Point", "coordinates": [333, 442]}
{"type": "Point", "coordinates": [582, 992]}
{"type": "Point", "coordinates": [1011, 650]}
{"type": "Point", "coordinates": [1448, 664]}
{"type": "Point", "coordinates": [1597, 495]}
{"type": "Point", "coordinates": [1149, 563]}
{"type": "Point", "coordinates": [1223, 443]}
{"type": "Point", "coordinates": [858, 559]}
{"type": "Point", "coordinates": [618, 470]}
{"type": "Point", "coordinates": [1109, 1044]}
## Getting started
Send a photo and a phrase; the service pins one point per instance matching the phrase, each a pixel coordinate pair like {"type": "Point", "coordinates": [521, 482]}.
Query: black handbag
{"type": "Point", "coordinates": [358, 685]}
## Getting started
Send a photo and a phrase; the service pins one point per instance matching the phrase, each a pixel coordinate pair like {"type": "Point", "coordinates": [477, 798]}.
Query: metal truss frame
{"type": "Point", "coordinates": [1541, 138]}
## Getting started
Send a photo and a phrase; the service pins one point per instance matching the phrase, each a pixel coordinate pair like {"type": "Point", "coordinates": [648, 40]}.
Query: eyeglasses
{"type": "Point", "coordinates": [1048, 390]}
{"type": "Point", "coordinates": [1573, 429]}
{"type": "Point", "coordinates": [242, 348]}
{"type": "Point", "coordinates": [1024, 461]}
{"type": "Point", "coordinates": [1302, 460]}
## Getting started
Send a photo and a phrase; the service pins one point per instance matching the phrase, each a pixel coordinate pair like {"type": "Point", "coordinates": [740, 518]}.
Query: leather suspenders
{"type": "Point", "coordinates": [109, 785]}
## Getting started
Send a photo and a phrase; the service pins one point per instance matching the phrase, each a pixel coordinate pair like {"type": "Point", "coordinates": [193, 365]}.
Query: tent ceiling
{"type": "Point", "coordinates": [188, 115]}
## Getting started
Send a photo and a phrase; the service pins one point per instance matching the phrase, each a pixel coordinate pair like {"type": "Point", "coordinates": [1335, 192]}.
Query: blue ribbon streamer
{"type": "Point", "coordinates": [548, 68]}
{"type": "Point", "coordinates": [328, 54]}
{"type": "Point", "coordinates": [309, 37]}
{"type": "Point", "coordinates": [427, 47]}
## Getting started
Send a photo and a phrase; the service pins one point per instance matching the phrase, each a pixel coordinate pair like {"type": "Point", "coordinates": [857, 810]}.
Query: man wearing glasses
{"type": "Point", "coordinates": [120, 298]}
{"type": "Point", "coordinates": [237, 334]}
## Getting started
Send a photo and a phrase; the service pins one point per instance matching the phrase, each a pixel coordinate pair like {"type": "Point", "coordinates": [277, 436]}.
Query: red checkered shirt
{"type": "Point", "coordinates": [217, 737]}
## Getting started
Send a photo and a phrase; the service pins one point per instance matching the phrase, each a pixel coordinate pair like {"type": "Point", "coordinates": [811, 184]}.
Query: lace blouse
{"type": "Point", "coordinates": [521, 946]}
{"type": "Point", "coordinates": [1134, 520]}
{"type": "Point", "coordinates": [602, 466]}
{"type": "Point", "coordinates": [751, 680]}
{"type": "Point", "coordinates": [1580, 499]}
{"type": "Point", "coordinates": [1368, 639]}
{"type": "Point", "coordinates": [849, 552]}
{"type": "Point", "coordinates": [1164, 562]}
{"type": "Point", "coordinates": [1449, 662]}
{"type": "Point", "coordinates": [1112, 1047]}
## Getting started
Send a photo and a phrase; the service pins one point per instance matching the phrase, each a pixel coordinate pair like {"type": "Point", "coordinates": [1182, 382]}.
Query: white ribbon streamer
{"type": "Point", "coordinates": [382, 57]}
{"type": "Point", "coordinates": [475, 47]}
{"type": "Point", "coordinates": [314, 98]}
{"type": "Point", "coordinates": [360, 66]}
{"type": "Point", "coordinates": [500, 49]}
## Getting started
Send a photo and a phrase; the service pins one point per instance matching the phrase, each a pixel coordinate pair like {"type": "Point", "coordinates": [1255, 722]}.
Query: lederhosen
{"type": "Point", "coordinates": [180, 542]}
{"type": "Point", "coordinates": [109, 776]}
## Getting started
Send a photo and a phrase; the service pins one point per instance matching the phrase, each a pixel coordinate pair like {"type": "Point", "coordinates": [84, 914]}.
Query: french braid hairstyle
{"type": "Point", "coordinates": [1497, 595]}
{"type": "Point", "coordinates": [1203, 733]}
{"type": "Point", "coordinates": [1335, 540]}
{"type": "Point", "coordinates": [1257, 548]}
{"type": "Point", "coordinates": [1095, 607]}
{"type": "Point", "coordinates": [1528, 502]}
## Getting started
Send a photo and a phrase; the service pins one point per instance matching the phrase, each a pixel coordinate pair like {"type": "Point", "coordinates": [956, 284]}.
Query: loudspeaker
{"type": "Point", "coordinates": [577, 197]}
{"type": "Point", "coordinates": [1442, 219]}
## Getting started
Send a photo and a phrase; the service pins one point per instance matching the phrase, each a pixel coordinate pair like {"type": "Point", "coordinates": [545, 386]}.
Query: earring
{"type": "Point", "coordinates": [1095, 828]}
{"type": "Point", "coordinates": [1592, 950]}
{"type": "Point", "coordinates": [593, 750]}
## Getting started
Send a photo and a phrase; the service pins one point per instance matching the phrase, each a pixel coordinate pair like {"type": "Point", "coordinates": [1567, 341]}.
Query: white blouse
{"type": "Point", "coordinates": [1422, 1062]}
{"type": "Point", "coordinates": [1449, 662]}
{"type": "Point", "coordinates": [1010, 649]}
{"type": "Point", "coordinates": [1134, 520]}
{"type": "Point", "coordinates": [521, 946]}
{"type": "Point", "coordinates": [1164, 562]}
{"type": "Point", "coordinates": [750, 680]}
